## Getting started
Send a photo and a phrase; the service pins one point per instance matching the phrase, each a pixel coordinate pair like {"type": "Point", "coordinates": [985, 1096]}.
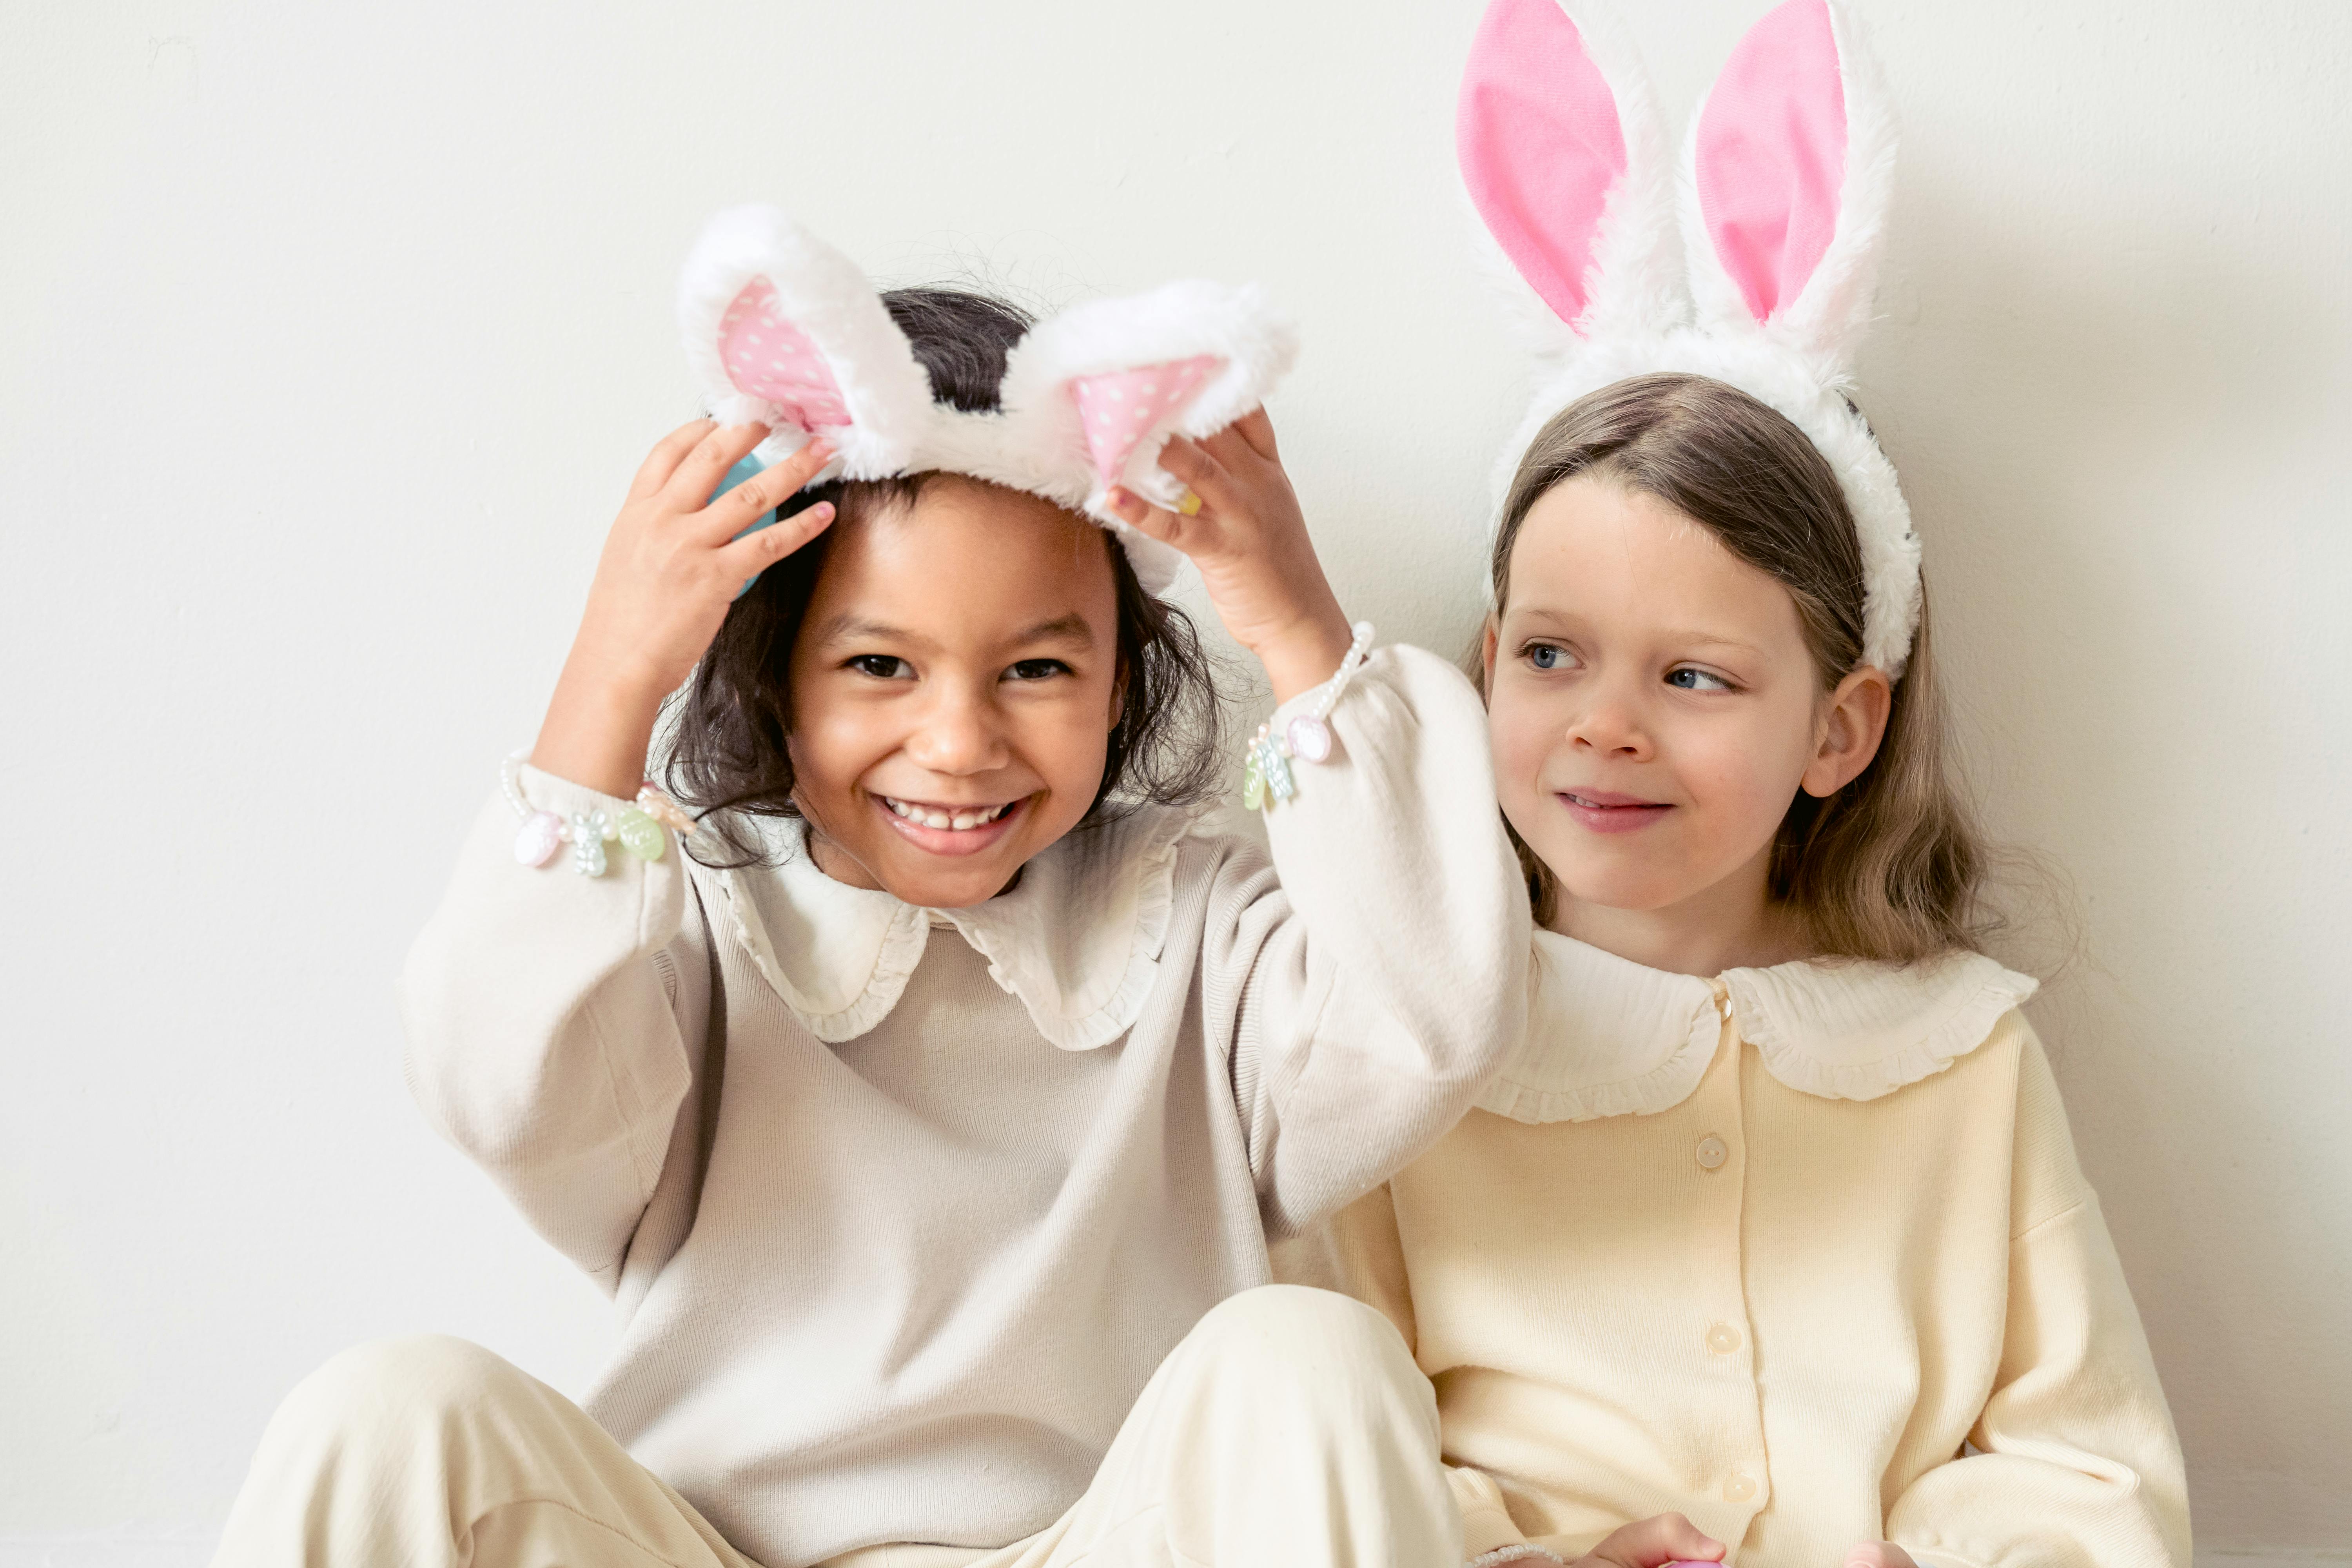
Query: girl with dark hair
{"type": "Point", "coordinates": [930, 1121]}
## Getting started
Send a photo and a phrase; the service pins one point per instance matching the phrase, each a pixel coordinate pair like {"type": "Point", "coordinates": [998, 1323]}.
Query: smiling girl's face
{"type": "Point", "coordinates": [953, 688]}
{"type": "Point", "coordinates": [1655, 709]}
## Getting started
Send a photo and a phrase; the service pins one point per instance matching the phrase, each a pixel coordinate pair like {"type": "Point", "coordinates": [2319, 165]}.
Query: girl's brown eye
{"type": "Point", "coordinates": [881, 666]}
{"type": "Point", "coordinates": [1038, 670]}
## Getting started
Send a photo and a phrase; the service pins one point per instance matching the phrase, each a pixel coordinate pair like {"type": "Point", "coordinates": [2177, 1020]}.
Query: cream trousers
{"type": "Point", "coordinates": [1289, 1428]}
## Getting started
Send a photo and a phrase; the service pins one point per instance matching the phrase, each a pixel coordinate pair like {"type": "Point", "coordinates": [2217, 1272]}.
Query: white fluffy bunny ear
{"type": "Point", "coordinates": [1790, 166]}
{"type": "Point", "coordinates": [1564, 156]}
{"type": "Point", "coordinates": [1098, 391]}
{"type": "Point", "coordinates": [783, 328]}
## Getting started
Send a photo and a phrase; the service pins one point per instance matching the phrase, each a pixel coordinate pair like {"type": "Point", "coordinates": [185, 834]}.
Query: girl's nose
{"type": "Point", "coordinates": [1610, 723]}
{"type": "Point", "coordinates": [960, 733]}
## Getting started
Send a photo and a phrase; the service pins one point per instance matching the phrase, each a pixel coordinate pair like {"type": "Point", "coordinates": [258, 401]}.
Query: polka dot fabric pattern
{"type": "Point", "coordinates": [781, 329]}
{"type": "Point", "coordinates": [769, 357]}
{"type": "Point", "coordinates": [1118, 410]}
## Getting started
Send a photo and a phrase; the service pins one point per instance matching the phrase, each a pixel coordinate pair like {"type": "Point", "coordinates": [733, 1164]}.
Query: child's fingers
{"type": "Point", "coordinates": [755, 552]}
{"type": "Point", "coordinates": [668, 453]}
{"type": "Point", "coordinates": [740, 507]}
{"type": "Point", "coordinates": [1257, 429]}
{"type": "Point", "coordinates": [1207, 477]}
{"type": "Point", "coordinates": [1878, 1554]}
{"type": "Point", "coordinates": [1655, 1542]}
{"type": "Point", "coordinates": [1156, 522]}
{"type": "Point", "coordinates": [700, 471]}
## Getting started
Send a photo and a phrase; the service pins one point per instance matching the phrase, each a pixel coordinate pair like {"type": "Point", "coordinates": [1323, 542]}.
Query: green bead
{"type": "Point", "coordinates": [1252, 783]}
{"type": "Point", "coordinates": [641, 835]}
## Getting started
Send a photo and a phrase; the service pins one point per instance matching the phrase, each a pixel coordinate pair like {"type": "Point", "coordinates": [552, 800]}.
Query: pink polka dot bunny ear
{"type": "Point", "coordinates": [783, 328]}
{"type": "Point", "coordinates": [1098, 391]}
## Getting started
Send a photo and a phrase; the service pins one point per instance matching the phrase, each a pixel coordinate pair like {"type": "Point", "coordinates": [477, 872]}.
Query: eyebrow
{"type": "Point", "coordinates": [1560, 619]}
{"type": "Point", "coordinates": [847, 627]}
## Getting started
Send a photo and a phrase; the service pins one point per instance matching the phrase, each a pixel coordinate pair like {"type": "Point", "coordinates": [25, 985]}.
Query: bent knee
{"type": "Point", "coordinates": [397, 1383]}
{"type": "Point", "coordinates": [1287, 1332]}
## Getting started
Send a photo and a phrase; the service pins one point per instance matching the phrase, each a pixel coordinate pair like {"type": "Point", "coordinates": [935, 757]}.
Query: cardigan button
{"type": "Point", "coordinates": [1740, 1487]}
{"type": "Point", "coordinates": [1723, 1338]}
{"type": "Point", "coordinates": [1712, 1152]}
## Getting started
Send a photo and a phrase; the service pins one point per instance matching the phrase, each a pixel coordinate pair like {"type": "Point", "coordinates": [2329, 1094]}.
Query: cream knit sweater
{"type": "Point", "coordinates": [900, 1227]}
{"type": "Point", "coordinates": [1803, 1253]}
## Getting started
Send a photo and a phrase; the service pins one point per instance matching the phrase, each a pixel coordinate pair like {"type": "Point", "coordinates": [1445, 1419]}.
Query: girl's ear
{"type": "Point", "coordinates": [784, 330]}
{"type": "Point", "coordinates": [1487, 642]}
{"type": "Point", "coordinates": [1790, 167]}
{"type": "Point", "coordinates": [1564, 157]}
{"type": "Point", "coordinates": [1858, 710]}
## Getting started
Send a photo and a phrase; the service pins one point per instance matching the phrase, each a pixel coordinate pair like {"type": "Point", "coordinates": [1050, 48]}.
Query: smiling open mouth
{"type": "Point", "coordinates": [954, 819]}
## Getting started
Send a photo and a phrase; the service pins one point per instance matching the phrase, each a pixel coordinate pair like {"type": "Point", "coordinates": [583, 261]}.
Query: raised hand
{"type": "Point", "coordinates": [1249, 540]}
{"type": "Point", "coordinates": [672, 564]}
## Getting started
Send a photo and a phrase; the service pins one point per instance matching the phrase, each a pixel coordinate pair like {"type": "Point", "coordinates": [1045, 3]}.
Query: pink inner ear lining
{"type": "Point", "coordinates": [769, 357]}
{"type": "Point", "coordinates": [1537, 133]}
{"type": "Point", "coordinates": [1118, 408]}
{"type": "Point", "coordinates": [1771, 156]}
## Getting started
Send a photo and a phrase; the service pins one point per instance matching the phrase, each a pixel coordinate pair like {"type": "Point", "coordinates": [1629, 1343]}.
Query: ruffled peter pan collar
{"type": "Point", "coordinates": [1607, 1037]}
{"type": "Point", "coordinates": [1077, 941]}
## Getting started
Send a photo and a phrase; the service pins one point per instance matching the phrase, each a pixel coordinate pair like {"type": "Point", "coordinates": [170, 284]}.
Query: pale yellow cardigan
{"type": "Point", "coordinates": [1803, 1253]}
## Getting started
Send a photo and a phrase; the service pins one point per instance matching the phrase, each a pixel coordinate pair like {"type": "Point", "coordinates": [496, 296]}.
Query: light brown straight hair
{"type": "Point", "coordinates": [1891, 867]}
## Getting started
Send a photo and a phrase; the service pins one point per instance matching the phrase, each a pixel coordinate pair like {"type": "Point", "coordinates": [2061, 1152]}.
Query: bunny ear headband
{"type": "Point", "coordinates": [782, 330]}
{"type": "Point", "coordinates": [1782, 193]}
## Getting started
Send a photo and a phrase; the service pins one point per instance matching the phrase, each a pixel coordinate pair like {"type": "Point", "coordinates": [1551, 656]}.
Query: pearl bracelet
{"type": "Point", "coordinates": [1266, 767]}
{"type": "Point", "coordinates": [639, 828]}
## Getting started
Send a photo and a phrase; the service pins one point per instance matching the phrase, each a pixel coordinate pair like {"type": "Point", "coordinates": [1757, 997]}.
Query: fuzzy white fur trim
{"type": "Point", "coordinates": [1632, 277]}
{"type": "Point", "coordinates": [1036, 441]}
{"type": "Point", "coordinates": [1816, 405]}
{"type": "Point", "coordinates": [823, 293]}
{"type": "Point", "coordinates": [1639, 318]}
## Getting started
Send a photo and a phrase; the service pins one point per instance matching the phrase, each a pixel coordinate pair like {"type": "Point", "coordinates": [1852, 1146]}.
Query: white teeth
{"type": "Point", "coordinates": [956, 821]}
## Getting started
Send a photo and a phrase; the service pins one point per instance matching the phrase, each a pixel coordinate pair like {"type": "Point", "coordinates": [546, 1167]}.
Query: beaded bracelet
{"type": "Point", "coordinates": [639, 828]}
{"type": "Point", "coordinates": [1266, 768]}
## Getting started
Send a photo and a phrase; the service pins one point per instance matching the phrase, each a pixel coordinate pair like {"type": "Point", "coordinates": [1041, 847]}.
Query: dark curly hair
{"type": "Point", "coordinates": [729, 724]}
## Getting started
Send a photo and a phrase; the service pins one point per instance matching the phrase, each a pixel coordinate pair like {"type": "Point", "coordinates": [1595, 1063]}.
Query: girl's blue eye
{"type": "Point", "coordinates": [1037, 669]}
{"type": "Point", "coordinates": [1544, 655]}
{"type": "Point", "coordinates": [1690, 680]}
{"type": "Point", "coordinates": [882, 666]}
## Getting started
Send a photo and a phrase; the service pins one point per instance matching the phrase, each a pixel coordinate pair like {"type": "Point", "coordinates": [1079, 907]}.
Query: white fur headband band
{"type": "Point", "coordinates": [784, 330]}
{"type": "Point", "coordinates": [1782, 193]}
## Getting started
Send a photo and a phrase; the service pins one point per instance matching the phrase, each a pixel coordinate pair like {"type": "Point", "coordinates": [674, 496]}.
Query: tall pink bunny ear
{"type": "Point", "coordinates": [1563, 156]}
{"type": "Point", "coordinates": [783, 328]}
{"type": "Point", "coordinates": [1791, 166]}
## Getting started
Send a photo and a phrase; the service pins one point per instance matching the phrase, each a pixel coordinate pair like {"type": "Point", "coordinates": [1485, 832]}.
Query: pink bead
{"type": "Point", "coordinates": [1309, 738]}
{"type": "Point", "coordinates": [540, 836]}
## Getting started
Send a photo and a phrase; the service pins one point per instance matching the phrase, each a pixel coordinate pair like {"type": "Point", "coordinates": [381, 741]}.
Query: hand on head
{"type": "Point", "coordinates": [1249, 541]}
{"type": "Point", "coordinates": [671, 565]}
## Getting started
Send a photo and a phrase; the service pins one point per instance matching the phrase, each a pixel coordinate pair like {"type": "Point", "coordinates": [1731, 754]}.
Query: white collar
{"type": "Point", "coordinates": [1077, 940]}
{"type": "Point", "coordinates": [1607, 1037]}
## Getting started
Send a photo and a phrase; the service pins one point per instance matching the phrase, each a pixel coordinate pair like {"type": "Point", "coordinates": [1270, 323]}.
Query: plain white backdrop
{"type": "Point", "coordinates": [328, 336]}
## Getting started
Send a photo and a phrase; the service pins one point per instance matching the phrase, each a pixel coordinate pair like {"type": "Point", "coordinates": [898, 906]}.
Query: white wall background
{"type": "Point", "coordinates": [329, 334]}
